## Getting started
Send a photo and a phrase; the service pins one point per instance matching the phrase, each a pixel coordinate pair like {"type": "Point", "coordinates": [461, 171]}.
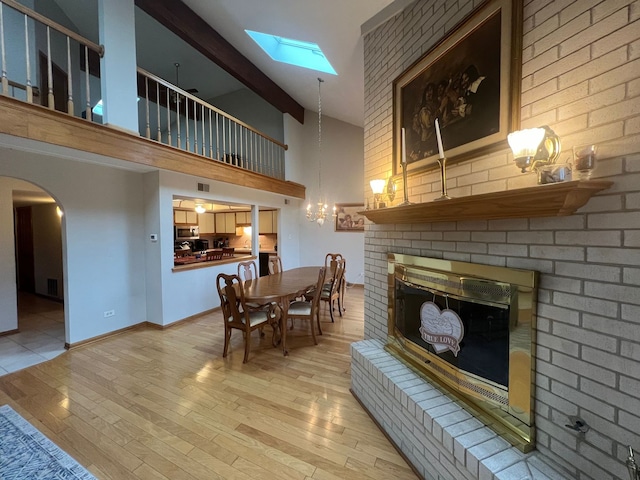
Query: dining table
{"type": "Point", "coordinates": [281, 288]}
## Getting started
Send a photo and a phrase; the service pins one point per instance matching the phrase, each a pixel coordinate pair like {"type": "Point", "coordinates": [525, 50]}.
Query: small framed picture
{"type": "Point", "coordinates": [348, 219]}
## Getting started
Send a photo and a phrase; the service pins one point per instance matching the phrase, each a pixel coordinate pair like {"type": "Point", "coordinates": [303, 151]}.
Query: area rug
{"type": "Point", "coordinates": [26, 454]}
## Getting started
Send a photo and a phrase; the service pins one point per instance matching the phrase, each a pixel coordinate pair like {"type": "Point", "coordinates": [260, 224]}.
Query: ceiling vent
{"type": "Point", "coordinates": [203, 187]}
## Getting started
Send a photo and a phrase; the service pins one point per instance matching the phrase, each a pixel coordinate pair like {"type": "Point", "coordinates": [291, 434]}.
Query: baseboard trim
{"type": "Point", "coordinates": [9, 332]}
{"type": "Point", "coordinates": [145, 324]}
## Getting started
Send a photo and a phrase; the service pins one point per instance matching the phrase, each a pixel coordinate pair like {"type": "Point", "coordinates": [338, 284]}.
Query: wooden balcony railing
{"type": "Point", "coordinates": [175, 117]}
{"type": "Point", "coordinates": [46, 63]}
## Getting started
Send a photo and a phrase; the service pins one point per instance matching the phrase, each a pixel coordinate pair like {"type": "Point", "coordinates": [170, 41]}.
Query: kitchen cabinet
{"type": "Point", "coordinates": [268, 221]}
{"type": "Point", "coordinates": [207, 223]}
{"type": "Point", "coordinates": [243, 218]}
{"type": "Point", "coordinates": [187, 217]}
{"type": "Point", "coordinates": [226, 223]}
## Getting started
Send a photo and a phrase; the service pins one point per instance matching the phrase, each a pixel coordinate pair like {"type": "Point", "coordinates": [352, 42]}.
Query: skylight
{"type": "Point", "coordinates": [294, 52]}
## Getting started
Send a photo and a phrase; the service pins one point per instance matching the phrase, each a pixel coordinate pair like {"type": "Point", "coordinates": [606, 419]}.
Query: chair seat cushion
{"type": "Point", "coordinates": [256, 317]}
{"type": "Point", "coordinates": [299, 308]}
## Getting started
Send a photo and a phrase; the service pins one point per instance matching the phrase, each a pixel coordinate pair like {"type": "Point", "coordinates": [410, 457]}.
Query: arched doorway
{"type": "Point", "coordinates": [36, 234]}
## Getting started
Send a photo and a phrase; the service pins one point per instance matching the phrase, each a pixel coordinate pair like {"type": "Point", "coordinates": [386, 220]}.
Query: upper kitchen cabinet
{"type": "Point", "coordinates": [243, 218]}
{"type": "Point", "coordinates": [207, 223]}
{"type": "Point", "coordinates": [187, 217]}
{"type": "Point", "coordinates": [226, 223]}
{"type": "Point", "coordinates": [268, 221]}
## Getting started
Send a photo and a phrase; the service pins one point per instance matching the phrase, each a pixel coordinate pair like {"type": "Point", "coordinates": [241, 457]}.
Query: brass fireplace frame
{"type": "Point", "coordinates": [508, 411]}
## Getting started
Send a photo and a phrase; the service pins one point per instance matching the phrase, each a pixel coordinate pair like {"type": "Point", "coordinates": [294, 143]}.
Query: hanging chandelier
{"type": "Point", "coordinates": [320, 213]}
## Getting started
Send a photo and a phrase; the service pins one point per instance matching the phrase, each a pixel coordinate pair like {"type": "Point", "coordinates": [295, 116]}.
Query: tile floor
{"type": "Point", "coordinates": [41, 336]}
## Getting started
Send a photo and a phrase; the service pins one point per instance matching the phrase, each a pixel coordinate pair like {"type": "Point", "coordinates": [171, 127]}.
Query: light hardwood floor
{"type": "Point", "coordinates": [164, 404]}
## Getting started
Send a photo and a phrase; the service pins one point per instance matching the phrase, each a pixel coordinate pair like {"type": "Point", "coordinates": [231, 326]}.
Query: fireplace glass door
{"type": "Point", "coordinates": [483, 350]}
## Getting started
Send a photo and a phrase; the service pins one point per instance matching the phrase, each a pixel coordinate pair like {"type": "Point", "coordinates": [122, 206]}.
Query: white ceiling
{"type": "Point", "coordinates": [335, 25]}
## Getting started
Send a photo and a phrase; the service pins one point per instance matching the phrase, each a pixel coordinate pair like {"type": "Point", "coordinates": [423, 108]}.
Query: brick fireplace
{"type": "Point", "coordinates": [580, 76]}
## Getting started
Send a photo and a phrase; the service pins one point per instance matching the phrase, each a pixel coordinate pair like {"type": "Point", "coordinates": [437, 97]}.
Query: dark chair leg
{"type": "Point", "coordinates": [227, 339]}
{"type": "Point", "coordinates": [247, 347]}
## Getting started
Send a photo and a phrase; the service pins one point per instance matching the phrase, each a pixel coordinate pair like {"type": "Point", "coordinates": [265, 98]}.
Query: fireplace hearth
{"type": "Point", "coordinates": [470, 328]}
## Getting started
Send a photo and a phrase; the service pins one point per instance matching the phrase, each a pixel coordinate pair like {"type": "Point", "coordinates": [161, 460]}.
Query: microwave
{"type": "Point", "coordinates": [187, 232]}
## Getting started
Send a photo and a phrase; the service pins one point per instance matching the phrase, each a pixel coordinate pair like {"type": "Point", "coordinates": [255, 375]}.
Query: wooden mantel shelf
{"type": "Point", "coordinates": [551, 200]}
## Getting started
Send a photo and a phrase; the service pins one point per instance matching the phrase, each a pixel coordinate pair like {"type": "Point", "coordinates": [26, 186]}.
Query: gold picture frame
{"type": "Point", "coordinates": [347, 217]}
{"type": "Point", "coordinates": [469, 81]}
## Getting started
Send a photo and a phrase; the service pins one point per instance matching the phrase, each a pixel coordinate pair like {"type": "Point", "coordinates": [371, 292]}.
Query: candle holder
{"type": "Point", "coordinates": [443, 179]}
{"type": "Point", "coordinates": [405, 190]}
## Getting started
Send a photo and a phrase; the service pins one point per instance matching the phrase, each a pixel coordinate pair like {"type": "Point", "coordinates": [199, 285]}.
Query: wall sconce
{"type": "Point", "coordinates": [534, 147]}
{"type": "Point", "coordinates": [200, 208]}
{"type": "Point", "coordinates": [377, 187]}
{"type": "Point", "coordinates": [381, 187]}
{"type": "Point", "coordinates": [391, 190]}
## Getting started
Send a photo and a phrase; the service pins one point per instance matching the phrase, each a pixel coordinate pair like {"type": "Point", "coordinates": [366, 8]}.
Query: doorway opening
{"type": "Point", "coordinates": [37, 238]}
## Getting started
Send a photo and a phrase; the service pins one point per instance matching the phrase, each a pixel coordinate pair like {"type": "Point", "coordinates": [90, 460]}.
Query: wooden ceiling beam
{"type": "Point", "coordinates": [184, 22]}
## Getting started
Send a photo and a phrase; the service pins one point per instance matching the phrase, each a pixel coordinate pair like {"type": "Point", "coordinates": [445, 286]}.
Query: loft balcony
{"type": "Point", "coordinates": [51, 92]}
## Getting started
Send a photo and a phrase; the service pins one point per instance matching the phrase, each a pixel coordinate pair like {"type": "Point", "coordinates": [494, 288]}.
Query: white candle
{"type": "Point", "coordinates": [404, 148]}
{"type": "Point", "coordinates": [439, 138]}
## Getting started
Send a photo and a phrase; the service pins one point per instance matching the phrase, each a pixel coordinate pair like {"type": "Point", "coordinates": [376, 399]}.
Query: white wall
{"type": "Point", "coordinates": [103, 230]}
{"type": "Point", "coordinates": [342, 155]}
{"type": "Point", "coordinates": [8, 293]}
{"type": "Point", "coordinates": [188, 292]}
{"type": "Point", "coordinates": [247, 106]}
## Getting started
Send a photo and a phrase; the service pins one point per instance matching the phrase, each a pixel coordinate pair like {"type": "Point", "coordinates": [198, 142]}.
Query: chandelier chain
{"type": "Point", "coordinates": [319, 137]}
{"type": "Point", "coordinates": [320, 213]}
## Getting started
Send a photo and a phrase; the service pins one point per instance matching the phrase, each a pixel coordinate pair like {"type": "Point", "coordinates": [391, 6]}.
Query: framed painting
{"type": "Point", "coordinates": [470, 82]}
{"type": "Point", "coordinates": [347, 217]}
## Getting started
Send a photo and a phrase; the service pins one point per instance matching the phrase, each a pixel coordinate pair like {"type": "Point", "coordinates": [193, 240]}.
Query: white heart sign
{"type": "Point", "coordinates": [443, 329]}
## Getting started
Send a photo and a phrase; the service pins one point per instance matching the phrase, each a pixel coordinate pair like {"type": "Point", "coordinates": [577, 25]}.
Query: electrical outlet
{"type": "Point", "coordinates": [109, 313]}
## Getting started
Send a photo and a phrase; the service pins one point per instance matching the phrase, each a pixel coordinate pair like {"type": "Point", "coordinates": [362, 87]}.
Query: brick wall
{"type": "Point", "coordinates": [581, 76]}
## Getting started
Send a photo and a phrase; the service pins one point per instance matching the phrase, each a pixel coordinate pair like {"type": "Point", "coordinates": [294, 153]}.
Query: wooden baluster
{"type": "Point", "coordinates": [187, 147]}
{"type": "Point", "coordinates": [69, 79]}
{"type": "Point", "coordinates": [195, 127]}
{"type": "Point", "coordinates": [5, 80]}
{"type": "Point", "coordinates": [50, 98]}
{"type": "Point", "coordinates": [178, 118]}
{"type": "Point", "coordinates": [217, 136]}
{"type": "Point", "coordinates": [203, 142]}
{"type": "Point", "coordinates": [146, 101]}
{"type": "Point", "coordinates": [26, 43]}
{"type": "Point", "coordinates": [159, 136]}
{"type": "Point", "coordinates": [235, 140]}
{"type": "Point", "coordinates": [210, 135]}
{"type": "Point", "coordinates": [224, 140]}
{"type": "Point", "coordinates": [86, 82]}
{"type": "Point", "coordinates": [168, 116]}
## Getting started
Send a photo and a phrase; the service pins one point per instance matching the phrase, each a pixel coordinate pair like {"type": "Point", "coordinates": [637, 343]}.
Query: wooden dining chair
{"type": "Point", "coordinates": [309, 309]}
{"type": "Point", "coordinates": [214, 255]}
{"type": "Point", "coordinates": [237, 315]}
{"type": "Point", "coordinates": [331, 262]}
{"type": "Point", "coordinates": [247, 270]}
{"type": "Point", "coordinates": [275, 264]}
{"type": "Point", "coordinates": [331, 291]}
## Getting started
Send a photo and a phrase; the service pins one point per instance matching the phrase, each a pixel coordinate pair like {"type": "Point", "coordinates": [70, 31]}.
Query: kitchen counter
{"type": "Point", "coordinates": [201, 259]}
{"type": "Point", "coordinates": [247, 251]}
